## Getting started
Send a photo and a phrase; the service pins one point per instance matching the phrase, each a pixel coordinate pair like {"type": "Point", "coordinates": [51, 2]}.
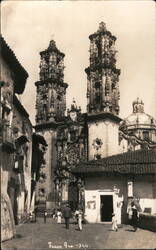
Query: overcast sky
{"type": "Point", "coordinates": [28, 26]}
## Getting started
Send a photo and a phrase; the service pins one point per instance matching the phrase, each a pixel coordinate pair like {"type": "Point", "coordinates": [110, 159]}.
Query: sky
{"type": "Point", "coordinates": [28, 26]}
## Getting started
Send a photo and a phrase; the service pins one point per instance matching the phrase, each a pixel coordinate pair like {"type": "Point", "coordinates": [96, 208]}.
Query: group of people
{"type": "Point", "coordinates": [66, 213]}
{"type": "Point", "coordinates": [133, 217]}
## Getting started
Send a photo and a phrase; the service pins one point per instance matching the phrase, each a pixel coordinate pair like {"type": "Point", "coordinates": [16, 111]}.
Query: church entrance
{"type": "Point", "coordinates": [73, 196]}
{"type": "Point", "coordinates": [106, 207]}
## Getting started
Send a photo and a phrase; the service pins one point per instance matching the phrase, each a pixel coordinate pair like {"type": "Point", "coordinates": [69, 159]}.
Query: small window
{"type": "Point", "coordinates": [146, 135]}
{"type": "Point", "coordinates": [148, 210]}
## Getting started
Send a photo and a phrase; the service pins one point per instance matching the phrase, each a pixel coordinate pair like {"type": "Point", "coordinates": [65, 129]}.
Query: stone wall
{"type": "Point", "coordinates": [147, 221]}
{"type": "Point", "coordinates": [144, 190]}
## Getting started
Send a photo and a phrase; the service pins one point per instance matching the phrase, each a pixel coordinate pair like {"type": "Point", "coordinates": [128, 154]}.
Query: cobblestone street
{"type": "Point", "coordinates": [94, 236]}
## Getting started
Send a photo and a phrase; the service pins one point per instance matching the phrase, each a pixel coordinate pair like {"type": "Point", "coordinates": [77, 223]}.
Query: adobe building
{"type": "Point", "coordinates": [19, 182]}
{"type": "Point", "coordinates": [109, 185]}
{"type": "Point", "coordinates": [13, 80]}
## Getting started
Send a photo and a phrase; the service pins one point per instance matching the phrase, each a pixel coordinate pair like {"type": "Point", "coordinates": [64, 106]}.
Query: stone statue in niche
{"type": "Point", "coordinates": [106, 43]}
{"type": "Point", "coordinates": [106, 59]}
{"type": "Point", "coordinates": [44, 115]}
{"type": "Point", "coordinates": [43, 64]}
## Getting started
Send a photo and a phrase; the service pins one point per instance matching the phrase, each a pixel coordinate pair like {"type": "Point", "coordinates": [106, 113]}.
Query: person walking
{"type": "Point", "coordinates": [59, 215]}
{"type": "Point", "coordinates": [135, 218]}
{"type": "Point", "coordinates": [67, 215]}
{"type": "Point", "coordinates": [45, 216]}
{"type": "Point", "coordinates": [76, 215]}
{"type": "Point", "coordinates": [80, 213]}
{"type": "Point", "coordinates": [114, 223]}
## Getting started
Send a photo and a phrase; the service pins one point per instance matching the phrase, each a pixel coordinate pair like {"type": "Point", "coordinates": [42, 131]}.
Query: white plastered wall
{"type": "Point", "coordinates": [107, 131]}
{"type": "Point", "coordinates": [144, 191]}
{"type": "Point", "coordinates": [102, 185]}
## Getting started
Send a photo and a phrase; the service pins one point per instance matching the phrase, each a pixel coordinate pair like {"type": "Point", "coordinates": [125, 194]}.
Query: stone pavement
{"type": "Point", "coordinates": [94, 236]}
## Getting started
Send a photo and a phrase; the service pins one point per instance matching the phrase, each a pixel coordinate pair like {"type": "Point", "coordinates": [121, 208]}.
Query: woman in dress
{"type": "Point", "coordinates": [59, 215]}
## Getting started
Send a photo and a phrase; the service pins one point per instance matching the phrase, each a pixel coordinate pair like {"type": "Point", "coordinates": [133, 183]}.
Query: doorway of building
{"type": "Point", "coordinates": [106, 207]}
{"type": "Point", "coordinates": [73, 196]}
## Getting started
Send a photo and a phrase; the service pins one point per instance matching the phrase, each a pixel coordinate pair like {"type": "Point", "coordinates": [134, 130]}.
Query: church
{"type": "Point", "coordinates": [95, 159]}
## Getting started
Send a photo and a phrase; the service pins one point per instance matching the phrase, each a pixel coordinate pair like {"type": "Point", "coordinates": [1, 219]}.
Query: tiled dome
{"type": "Point", "coordinates": [139, 117]}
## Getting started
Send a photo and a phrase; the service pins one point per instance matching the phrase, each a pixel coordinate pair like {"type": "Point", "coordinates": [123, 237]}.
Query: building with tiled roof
{"type": "Point", "coordinates": [111, 184]}
{"type": "Point", "coordinates": [133, 162]}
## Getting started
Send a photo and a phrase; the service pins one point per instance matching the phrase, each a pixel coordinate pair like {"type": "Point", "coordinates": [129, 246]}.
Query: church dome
{"type": "Point", "coordinates": [138, 118]}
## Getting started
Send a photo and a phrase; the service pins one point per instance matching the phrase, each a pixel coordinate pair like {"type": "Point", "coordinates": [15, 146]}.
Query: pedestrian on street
{"type": "Point", "coordinates": [59, 215]}
{"type": "Point", "coordinates": [135, 218]}
{"type": "Point", "coordinates": [76, 215]}
{"type": "Point", "coordinates": [45, 216]}
{"type": "Point", "coordinates": [80, 219]}
{"type": "Point", "coordinates": [114, 223]}
{"type": "Point", "coordinates": [67, 215]}
{"type": "Point", "coordinates": [54, 213]}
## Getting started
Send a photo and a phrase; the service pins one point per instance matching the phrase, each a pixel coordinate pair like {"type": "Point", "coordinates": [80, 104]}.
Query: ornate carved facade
{"type": "Point", "coordinates": [71, 149]}
{"type": "Point", "coordinates": [51, 89]}
{"type": "Point", "coordinates": [102, 74]}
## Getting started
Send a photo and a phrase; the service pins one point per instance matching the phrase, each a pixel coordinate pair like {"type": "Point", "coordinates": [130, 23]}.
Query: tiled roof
{"type": "Point", "coordinates": [20, 74]}
{"type": "Point", "coordinates": [134, 162]}
{"type": "Point", "coordinates": [20, 107]}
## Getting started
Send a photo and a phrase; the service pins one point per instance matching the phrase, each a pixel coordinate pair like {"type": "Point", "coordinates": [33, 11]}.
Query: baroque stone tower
{"type": "Point", "coordinates": [50, 112]}
{"type": "Point", "coordinates": [102, 74]}
{"type": "Point", "coordinates": [102, 94]}
{"type": "Point", "coordinates": [51, 89]}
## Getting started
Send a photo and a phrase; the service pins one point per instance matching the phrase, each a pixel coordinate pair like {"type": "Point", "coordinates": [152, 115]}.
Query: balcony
{"type": "Point", "coordinates": [6, 137]}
